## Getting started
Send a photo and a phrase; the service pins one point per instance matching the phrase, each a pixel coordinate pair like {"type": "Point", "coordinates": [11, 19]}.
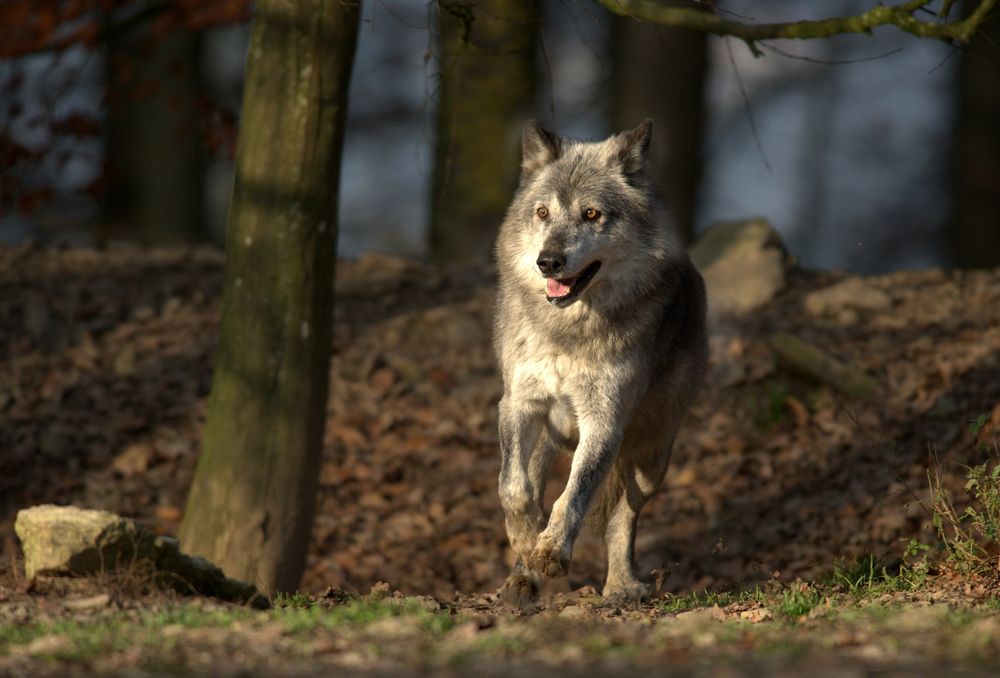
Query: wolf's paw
{"type": "Point", "coordinates": [519, 591]}
{"type": "Point", "coordinates": [633, 591]}
{"type": "Point", "coordinates": [548, 559]}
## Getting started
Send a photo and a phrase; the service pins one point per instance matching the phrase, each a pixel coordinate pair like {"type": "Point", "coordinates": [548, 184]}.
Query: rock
{"type": "Point", "coordinates": [135, 459]}
{"type": "Point", "coordinates": [743, 263]}
{"type": "Point", "coordinates": [59, 540]}
{"type": "Point", "coordinates": [756, 615]}
{"type": "Point", "coordinates": [194, 574]}
{"type": "Point", "coordinates": [68, 540]}
{"type": "Point", "coordinates": [48, 645]}
{"type": "Point", "coordinates": [852, 293]}
{"type": "Point", "coordinates": [702, 615]}
{"type": "Point", "coordinates": [89, 603]}
{"type": "Point", "coordinates": [573, 612]}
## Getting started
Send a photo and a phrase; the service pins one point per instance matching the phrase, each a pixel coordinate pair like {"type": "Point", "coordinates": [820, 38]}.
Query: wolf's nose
{"type": "Point", "coordinates": [550, 264]}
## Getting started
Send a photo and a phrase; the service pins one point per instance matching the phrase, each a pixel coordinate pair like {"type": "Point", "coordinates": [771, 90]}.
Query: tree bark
{"type": "Point", "coordinates": [660, 72]}
{"type": "Point", "coordinates": [975, 234]}
{"type": "Point", "coordinates": [486, 55]}
{"type": "Point", "coordinates": [252, 501]}
{"type": "Point", "coordinates": [156, 158]}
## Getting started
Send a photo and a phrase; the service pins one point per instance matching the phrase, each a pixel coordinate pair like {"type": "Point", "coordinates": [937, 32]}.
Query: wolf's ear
{"type": "Point", "coordinates": [634, 149]}
{"type": "Point", "coordinates": [539, 147]}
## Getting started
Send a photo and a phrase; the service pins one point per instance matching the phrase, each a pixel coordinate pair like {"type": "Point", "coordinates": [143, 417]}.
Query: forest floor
{"type": "Point", "coordinates": [776, 482]}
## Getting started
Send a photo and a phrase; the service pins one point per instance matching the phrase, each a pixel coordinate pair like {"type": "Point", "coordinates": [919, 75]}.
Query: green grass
{"type": "Point", "coordinates": [769, 408]}
{"type": "Point", "coordinates": [861, 576]}
{"type": "Point", "coordinates": [799, 600]}
{"type": "Point", "coordinates": [109, 634]}
{"type": "Point", "coordinates": [362, 612]}
{"type": "Point", "coordinates": [699, 599]}
{"type": "Point", "coordinates": [297, 615]}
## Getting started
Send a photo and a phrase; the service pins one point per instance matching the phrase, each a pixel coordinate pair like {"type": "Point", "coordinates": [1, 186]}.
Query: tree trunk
{"type": "Point", "coordinates": [253, 497]}
{"type": "Point", "coordinates": [156, 158]}
{"type": "Point", "coordinates": [659, 75]}
{"type": "Point", "coordinates": [486, 55]}
{"type": "Point", "coordinates": [976, 230]}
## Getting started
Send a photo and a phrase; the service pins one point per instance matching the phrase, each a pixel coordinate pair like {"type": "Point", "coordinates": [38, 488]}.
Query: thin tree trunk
{"type": "Point", "coordinates": [486, 53]}
{"type": "Point", "coordinates": [253, 497]}
{"type": "Point", "coordinates": [659, 74]}
{"type": "Point", "coordinates": [156, 158]}
{"type": "Point", "coordinates": [975, 234]}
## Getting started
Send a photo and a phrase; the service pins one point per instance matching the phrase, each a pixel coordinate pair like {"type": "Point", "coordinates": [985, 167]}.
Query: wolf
{"type": "Point", "coordinates": [599, 332]}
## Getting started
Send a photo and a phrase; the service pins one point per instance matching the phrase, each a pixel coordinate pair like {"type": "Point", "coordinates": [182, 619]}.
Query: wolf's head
{"type": "Point", "coordinates": [585, 224]}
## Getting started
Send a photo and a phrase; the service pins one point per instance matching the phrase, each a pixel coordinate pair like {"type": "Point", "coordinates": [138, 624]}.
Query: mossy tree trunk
{"type": "Point", "coordinates": [660, 73]}
{"type": "Point", "coordinates": [486, 55]}
{"type": "Point", "coordinates": [156, 158]}
{"type": "Point", "coordinates": [252, 501]}
{"type": "Point", "coordinates": [975, 233]}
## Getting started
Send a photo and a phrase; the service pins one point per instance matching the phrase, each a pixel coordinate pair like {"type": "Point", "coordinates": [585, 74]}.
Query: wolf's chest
{"type": "Point", "coordinates": [554, 376]}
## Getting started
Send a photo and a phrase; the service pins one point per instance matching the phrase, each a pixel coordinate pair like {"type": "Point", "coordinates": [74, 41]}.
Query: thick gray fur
{"type": "Point", "coordinates": [607, 377]}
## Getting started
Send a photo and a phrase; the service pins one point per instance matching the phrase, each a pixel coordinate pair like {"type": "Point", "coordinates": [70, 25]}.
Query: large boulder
{"type": "Point", "coordinates": [68, 540]}
{"type": "Point", "coordinates": [743, 263]}
{"type": "Point", "coordinates": [59, 540]}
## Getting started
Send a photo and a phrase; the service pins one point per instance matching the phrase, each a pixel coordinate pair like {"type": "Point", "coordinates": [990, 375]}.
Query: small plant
{"type": "Point", "coordinates": [696, 599]}
{"type": "Point", "coordinates": [798, 600]}
{"type": "Point", "coordinates": [970, 536]}
{"type": "Point", "coordinates": [872, 576]}
{"type": "Point", "coordinates": [862, 576]}
{"type": "Point", "coordinates": [769, 409]}
{"type": "Point", "coordinates": [293, 600]}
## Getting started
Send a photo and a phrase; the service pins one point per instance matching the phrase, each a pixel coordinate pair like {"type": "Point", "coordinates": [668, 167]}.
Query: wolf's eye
{"type": "Point", "coordinates": [542, 212]}
{"type": "Point", "coordinates": [590, 214]}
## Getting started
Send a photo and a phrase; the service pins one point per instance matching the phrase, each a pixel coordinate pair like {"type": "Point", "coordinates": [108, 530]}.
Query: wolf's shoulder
{"type": "Point", "coordinates": [683, 302]}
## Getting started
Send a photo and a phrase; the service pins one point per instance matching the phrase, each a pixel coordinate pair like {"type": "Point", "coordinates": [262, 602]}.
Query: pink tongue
{"type": "Point", "coordinates": [556, 289]}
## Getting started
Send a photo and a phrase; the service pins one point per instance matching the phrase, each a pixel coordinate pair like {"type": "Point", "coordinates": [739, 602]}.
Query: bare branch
{"type": "Point", "coordinates": [901, 16]}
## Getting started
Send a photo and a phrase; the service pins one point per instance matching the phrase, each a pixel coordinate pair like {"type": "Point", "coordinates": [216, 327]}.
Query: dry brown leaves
{"type": "Point", "coordinates": [106, 362]}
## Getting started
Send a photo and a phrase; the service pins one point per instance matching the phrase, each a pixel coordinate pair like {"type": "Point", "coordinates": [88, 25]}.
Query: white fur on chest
{"type": "Point", "coordinates": [550, 376]}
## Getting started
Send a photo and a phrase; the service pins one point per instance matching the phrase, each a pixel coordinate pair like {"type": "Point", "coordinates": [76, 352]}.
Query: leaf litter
{"type": "Point", "coordinates": [105, 365]}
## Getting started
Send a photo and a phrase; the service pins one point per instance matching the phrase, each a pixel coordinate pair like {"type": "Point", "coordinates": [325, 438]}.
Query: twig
{"type": "Point", "coordinates": [746, 103]}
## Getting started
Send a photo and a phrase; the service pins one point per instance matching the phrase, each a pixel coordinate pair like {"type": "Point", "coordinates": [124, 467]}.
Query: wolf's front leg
{"type": "Point", "coordinates": [595, 454]}
{"type": "Point", "coordinates": [521, 488]}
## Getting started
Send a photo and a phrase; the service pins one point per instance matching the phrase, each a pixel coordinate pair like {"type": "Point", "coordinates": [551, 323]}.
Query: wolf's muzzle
{"type": "Point", "coordinates": [550, 263]}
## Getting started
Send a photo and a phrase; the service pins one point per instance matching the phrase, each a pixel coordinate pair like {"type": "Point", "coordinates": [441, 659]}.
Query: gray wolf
{"type": "Point", "coordinates": [600, 335]}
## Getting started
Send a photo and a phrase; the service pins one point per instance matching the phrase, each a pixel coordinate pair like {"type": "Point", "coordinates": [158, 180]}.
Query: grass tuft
{"type": "Point", "coordinates": [971, 537]}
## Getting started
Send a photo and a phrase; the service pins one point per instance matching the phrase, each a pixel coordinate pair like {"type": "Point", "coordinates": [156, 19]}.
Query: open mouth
{"type": "Point", "coordinates": [565, 291]}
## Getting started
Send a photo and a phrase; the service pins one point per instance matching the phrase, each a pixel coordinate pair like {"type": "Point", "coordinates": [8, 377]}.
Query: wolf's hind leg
{"type": "Point", "coordinates": [641, 483]}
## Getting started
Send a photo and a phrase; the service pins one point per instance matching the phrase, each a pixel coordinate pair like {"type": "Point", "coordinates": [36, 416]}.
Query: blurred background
{"type": "Point", "coordinates": [872, 153]}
